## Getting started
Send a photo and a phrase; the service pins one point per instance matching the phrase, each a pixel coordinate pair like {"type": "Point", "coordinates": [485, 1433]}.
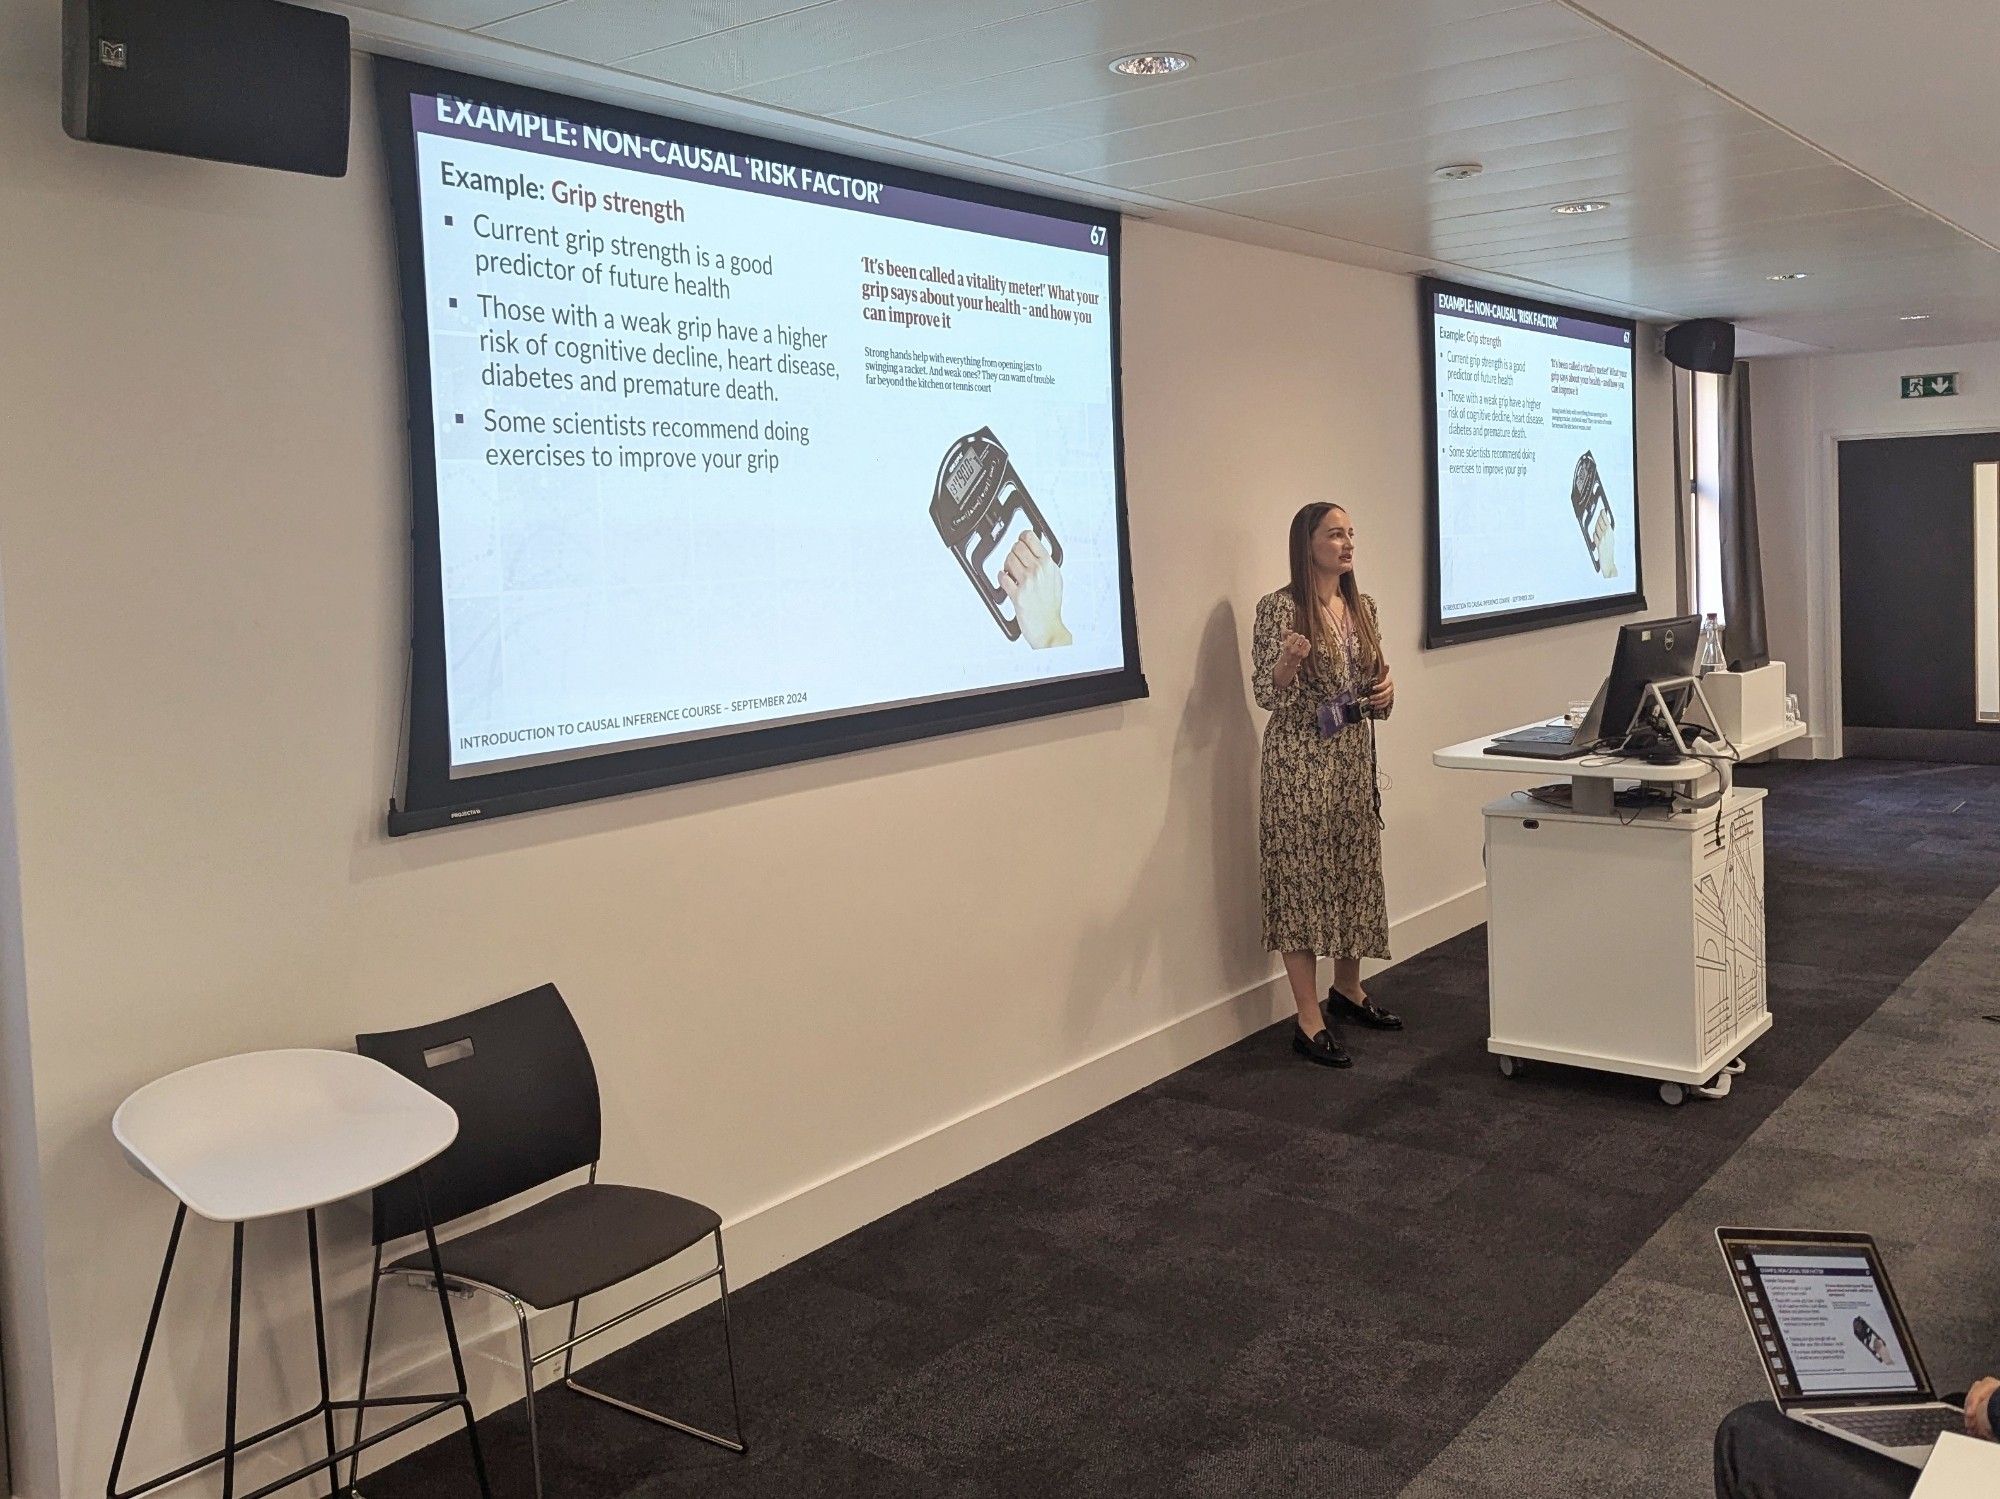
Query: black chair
{"type": "Point", "coordinates": [521, 1079]}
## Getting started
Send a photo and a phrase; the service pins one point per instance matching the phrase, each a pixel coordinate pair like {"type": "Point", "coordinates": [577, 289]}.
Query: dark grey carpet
{"type": "Point", "coordinates": [1258, 1276]}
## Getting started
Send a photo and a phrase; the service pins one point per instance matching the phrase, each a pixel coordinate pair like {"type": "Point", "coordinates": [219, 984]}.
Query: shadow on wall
{"type": "Point", "coordinates": [1210, 819]}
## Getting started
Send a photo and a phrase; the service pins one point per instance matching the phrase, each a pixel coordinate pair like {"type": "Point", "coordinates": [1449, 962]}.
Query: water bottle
{"type": "Point", "coordinates": [1708, 656]}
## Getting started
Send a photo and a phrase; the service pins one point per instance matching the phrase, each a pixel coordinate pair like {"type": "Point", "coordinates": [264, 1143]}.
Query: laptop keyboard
{"type": "Point", "coordinates": [1898, 1428]}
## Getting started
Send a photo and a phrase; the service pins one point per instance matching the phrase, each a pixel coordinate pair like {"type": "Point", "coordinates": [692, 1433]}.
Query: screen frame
{"type": "Point", "coordinates": [1729, 1240]}
{"type": "Point", "coordinates": [428, 795]}
{"type": "Point", "coordinates": [1437, 630]}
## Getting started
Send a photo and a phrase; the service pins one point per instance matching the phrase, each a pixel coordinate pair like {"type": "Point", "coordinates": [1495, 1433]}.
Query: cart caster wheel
{"type": "Point", "coordinates": [1512, 1066]}
{"type": "Point", "coordinates": [1672, 1094]}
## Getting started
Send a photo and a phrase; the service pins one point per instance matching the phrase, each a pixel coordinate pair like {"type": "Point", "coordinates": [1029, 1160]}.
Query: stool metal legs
{"type": "Point", "coordinates": [457, 1358]}
{"type": "Point", "coordinates": [367, 1349]}
{"type": "Point", "coordinates": [451, 1337]}
{"type": "Point", "coordinates": [325, 1386]}
{"type": "Point", "coordinates": [425, 1406]}
{"type": "Point", "coordinates": [146, 1351]}
{"type": "Point", "coordinates": [235, 1344]}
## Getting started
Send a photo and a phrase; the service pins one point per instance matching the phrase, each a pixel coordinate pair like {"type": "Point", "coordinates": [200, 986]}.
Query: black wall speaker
{"type": "Point", "coordinates": [1706, 344]}
{"type": "Point", "coordinates": [249, 81]}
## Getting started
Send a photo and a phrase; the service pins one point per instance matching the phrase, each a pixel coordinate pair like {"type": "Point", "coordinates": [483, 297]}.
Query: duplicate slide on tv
{"type": "Point", "coordinates": [1536, 491]}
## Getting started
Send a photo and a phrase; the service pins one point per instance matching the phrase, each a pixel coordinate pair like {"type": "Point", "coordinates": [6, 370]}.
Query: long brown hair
{"type": "Point", "coordinates": [1305, 601]}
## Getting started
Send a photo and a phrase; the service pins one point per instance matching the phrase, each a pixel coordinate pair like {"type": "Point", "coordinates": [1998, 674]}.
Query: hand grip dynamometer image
{"type": "Point", "coordinates": [1871, 1340]}
{"type": "Point", "coordinates": [1593, 514]}
{"type": "Point", "coordinates": [980, 506]}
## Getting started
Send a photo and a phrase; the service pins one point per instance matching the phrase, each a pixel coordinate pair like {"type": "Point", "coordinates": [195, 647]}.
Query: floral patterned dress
{"type": "Point", "coordinates": [1319, 843]}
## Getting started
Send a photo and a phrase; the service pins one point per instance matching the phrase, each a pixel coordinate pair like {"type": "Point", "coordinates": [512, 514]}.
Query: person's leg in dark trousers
{"type": "Point", "coordinates": [1761, 1453]}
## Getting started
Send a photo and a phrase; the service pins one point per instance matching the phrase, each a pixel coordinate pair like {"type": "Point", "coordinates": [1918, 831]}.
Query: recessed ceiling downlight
{"type": "Point", "coordinates": [1789, 276]}
{"type": "Point", "coordinates": [1914, 317]}
{"type": "Point", "coordinates": [1153, 64]}
{"type": "Point", "coordinates": [1581, 205]}
{"type": "Point", "coordinates": [1458, 171]}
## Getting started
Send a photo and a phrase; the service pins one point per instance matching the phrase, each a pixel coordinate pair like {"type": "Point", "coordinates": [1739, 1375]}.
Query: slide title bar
{"type": "Point", "coordinates": [549, 135]}
{"type": "Point", "coordinates": [1472, 309]}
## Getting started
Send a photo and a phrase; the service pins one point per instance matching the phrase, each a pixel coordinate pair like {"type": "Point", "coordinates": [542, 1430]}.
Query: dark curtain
{"type": "Point", "coordinates": [1744, 637]}
{"type": "Point", "coordinates": [1683, 395]}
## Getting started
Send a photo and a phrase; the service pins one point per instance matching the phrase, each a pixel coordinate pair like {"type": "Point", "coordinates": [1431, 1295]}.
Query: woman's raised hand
{"type": "Point", "coordinates": [1291, 656]}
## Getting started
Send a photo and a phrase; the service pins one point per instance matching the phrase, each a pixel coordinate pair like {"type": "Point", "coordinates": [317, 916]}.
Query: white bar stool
{"type": "Point", "coordinates": [271, 1133]}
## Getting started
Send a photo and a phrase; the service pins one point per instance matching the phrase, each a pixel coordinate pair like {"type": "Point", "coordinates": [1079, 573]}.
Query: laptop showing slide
{"type": "Point", "coordinates": [1556, 741]}
{"type": "Point", "coordinates": [1831, 1339]}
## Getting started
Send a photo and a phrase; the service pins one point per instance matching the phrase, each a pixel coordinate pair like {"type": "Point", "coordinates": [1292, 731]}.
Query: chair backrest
{"type": "Point", "coordinates": [520, 1077]}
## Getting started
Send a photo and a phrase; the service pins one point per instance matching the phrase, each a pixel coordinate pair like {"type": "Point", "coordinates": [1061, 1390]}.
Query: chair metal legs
{"type": "Point", "coordinates": [719, 1273]}
{"type": "Point", "coordinates": [530, 1360]}
{"type": "Point", "coordinates": [729, 1343]}
{"type": "Point", "coordinates": [528, 1382]}
{"type": "Point", "coordinates": [424, 1406]}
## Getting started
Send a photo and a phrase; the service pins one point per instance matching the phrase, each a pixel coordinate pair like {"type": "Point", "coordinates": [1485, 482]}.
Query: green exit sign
{"type": "Point", "coordinates": [1915, 387]}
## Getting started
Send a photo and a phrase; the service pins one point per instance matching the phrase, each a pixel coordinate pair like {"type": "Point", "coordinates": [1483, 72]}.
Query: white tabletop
{"type": "Point", "coordinates": [272, 1132]}
{"type": "Point", "coordinates": [1471, 755]}
{"type": "Point", "coordinates": [1757, 744]}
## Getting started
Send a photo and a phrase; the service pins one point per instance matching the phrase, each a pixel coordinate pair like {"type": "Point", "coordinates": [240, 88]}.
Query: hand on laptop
{"type": "Point", "coordinates": [1978, 1406]}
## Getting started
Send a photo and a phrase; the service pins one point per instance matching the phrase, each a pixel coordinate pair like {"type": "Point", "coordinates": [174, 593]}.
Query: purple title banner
{"type": "Point", "coordinates": [1507, 315]}
{"type": "Point", "coordinates": [659, 156]}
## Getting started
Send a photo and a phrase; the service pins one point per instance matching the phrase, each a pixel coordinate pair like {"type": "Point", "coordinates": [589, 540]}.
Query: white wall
{"type": "Point", "coordinates": [1801, 408]}
{"type": "Point", "coordinates": [801, 1012]}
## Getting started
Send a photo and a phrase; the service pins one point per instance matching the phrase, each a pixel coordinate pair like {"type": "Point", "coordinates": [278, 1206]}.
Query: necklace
{"type": "Point", "coordinates": [1341, 644]}
{"type": "Point", "coordinates": [1333, 611]}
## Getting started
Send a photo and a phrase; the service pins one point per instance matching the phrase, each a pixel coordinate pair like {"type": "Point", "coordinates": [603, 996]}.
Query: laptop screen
{"type": "Point", "coordinates": [1823, 1320]}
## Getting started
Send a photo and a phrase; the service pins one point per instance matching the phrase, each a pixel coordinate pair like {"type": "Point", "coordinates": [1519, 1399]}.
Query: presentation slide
{"type": "Point", "coordinates": [1535, 488]}
{"type": "Point", "coordinates": [726, 438]}
{"type": "Point", "coordinates": [1834, 1324]}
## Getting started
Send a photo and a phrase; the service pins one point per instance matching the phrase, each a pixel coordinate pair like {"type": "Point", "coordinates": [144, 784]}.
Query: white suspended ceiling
{"type": "Point", "coordinates": [1318, 126]}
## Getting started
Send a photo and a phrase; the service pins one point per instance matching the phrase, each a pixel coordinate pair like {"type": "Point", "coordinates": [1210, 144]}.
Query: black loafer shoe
{"type": "Point", "coordinates": [1339, 1007]}
{"type": "Point", "coordinates": [1322, 1049]}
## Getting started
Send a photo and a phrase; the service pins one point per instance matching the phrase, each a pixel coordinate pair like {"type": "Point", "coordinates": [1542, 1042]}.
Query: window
{"type": "Point", "coordinates": [1705, 555]}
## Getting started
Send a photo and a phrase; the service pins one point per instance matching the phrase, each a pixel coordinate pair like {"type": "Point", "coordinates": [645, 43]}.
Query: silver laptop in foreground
{"type": "Point", "coordinates": [1832, 1341]}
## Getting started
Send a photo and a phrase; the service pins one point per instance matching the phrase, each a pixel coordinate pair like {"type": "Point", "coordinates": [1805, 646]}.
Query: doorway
{"type": "Point", "coordinates": [1913, 597]}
